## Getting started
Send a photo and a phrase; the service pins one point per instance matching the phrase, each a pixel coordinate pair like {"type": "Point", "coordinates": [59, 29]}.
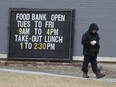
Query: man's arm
{"type": "Point", "coordinates": [85, 41]}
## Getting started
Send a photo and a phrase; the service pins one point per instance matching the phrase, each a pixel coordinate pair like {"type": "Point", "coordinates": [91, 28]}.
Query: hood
{"type": "Point", "coordinates": [93, 26]}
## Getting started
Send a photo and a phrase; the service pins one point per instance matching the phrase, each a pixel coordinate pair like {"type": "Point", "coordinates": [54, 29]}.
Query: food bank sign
{"type": "Point", "coordinates": [40, 34]}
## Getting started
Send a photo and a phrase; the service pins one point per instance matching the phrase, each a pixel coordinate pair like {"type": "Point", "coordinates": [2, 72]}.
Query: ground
{"type": "Point", "coordinates": [13, 79]}
{"type": "Point", "coordinates": [73, 69]}
{"type": "Point", "coordinates": [26, 80]}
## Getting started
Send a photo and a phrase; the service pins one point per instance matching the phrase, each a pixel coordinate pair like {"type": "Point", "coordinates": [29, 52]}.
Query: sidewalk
{"type": "Point", "coordinates": [13, 79]}
{"type": "Point", "coordinates": [54, 75]}
{"type": "Point", "coordinates": [22, 78]}
{"type": "Point", "coordinates": [64, 69]}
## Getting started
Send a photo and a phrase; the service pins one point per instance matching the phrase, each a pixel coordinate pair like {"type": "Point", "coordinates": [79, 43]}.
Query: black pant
{"type": "Point", "coordinates": [93, 61]}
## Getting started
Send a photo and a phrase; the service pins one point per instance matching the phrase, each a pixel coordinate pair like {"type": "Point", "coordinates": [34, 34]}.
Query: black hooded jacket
{"type": "Point", "coordinates": [87, 37]}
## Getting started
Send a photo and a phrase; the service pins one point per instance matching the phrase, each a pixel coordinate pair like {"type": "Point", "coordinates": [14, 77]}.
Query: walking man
{"type": "Point", "coordinates": [90, 42]}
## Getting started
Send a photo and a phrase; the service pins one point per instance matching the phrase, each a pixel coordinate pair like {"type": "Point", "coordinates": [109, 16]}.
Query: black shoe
{"type": "Point", "coordinates": [85, 75]}
{"type": "Point", "coordinates": [98, 76]}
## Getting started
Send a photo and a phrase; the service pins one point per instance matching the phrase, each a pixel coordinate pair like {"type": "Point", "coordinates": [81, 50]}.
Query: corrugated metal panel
{"type": "Point", "coordinates": [87, 11]}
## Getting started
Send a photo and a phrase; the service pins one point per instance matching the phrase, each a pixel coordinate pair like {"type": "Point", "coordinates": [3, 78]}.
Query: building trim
{"type": "Point", "coordinates": [3, 56]}
{"type": "Point", "coordinates": [99, 59]}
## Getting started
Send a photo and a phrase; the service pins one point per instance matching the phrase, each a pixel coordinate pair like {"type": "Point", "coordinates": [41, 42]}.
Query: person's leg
{"type": "Point", "coordinates": [95, 69]}
{"type": "Point", "coordinates": [94, 66]}
{"type": "Point", "coordinates": [85, 66]}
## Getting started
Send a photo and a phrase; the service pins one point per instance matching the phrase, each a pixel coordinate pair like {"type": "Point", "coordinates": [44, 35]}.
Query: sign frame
{"type": "Point", "coordinates": [71, 36]}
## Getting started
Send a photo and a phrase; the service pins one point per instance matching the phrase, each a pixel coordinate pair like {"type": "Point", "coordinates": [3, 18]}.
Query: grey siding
{"type": "Point", "coordinates": [102, 12]}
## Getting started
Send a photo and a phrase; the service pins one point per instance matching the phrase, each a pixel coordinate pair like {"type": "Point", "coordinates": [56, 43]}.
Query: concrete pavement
{"type": "Point", "coordinates": [56, 75]}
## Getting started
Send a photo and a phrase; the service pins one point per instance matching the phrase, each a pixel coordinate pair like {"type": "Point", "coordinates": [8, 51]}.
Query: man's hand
{"type": "Point", "coordinates": [93, 42]}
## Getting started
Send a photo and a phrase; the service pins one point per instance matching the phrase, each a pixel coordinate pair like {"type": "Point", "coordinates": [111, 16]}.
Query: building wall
{"type": "Point", "coordinates": [102, 12]}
